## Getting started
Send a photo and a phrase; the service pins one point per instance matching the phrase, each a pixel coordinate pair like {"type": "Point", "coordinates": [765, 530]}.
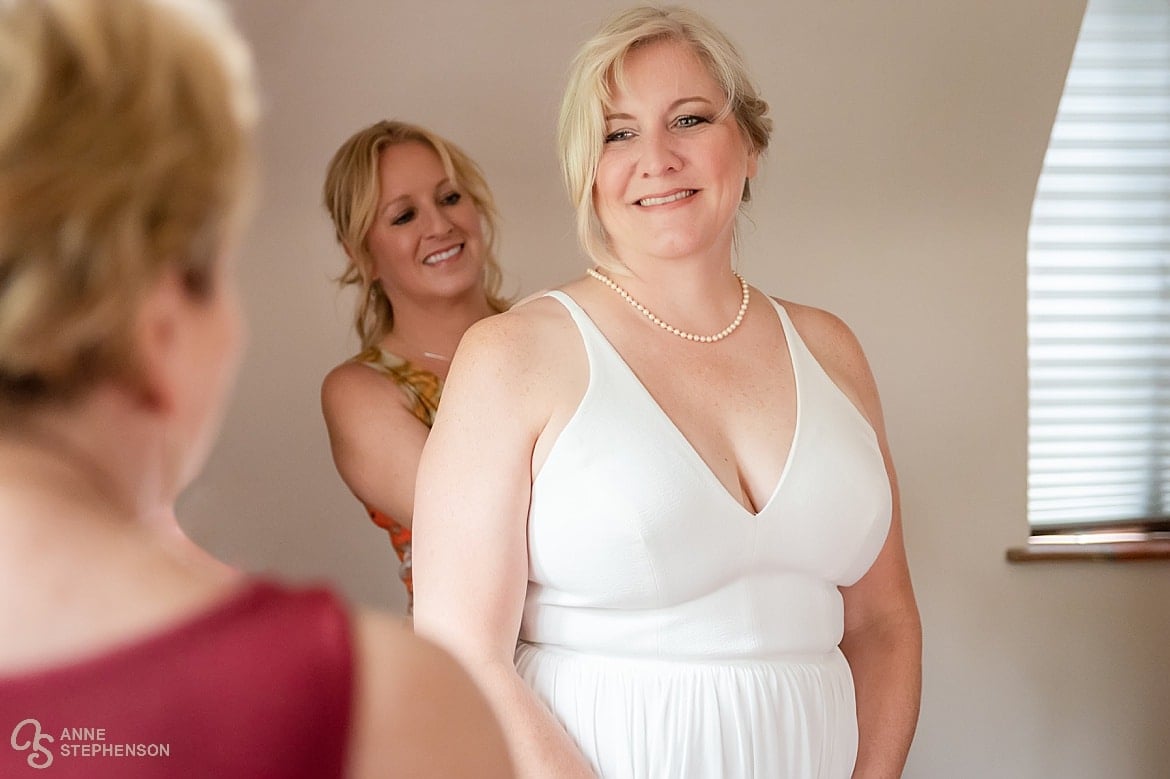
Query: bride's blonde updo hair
{"type": "Point", "coordinates": [125, 150]}
{"type": "Point", "coordinates": [595, 71]}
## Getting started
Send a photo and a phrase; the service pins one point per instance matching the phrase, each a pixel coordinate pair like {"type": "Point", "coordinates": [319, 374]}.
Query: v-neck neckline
{"type": "Point", "coordinates": [685, 442]}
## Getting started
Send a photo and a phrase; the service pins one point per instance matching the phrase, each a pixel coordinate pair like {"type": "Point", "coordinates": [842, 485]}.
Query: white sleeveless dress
{"type": "Point", "coordinates": [672, 632]}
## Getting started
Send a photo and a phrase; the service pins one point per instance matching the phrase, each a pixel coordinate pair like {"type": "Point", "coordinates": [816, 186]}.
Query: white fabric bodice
{"type": "Point", "coordinates": [637, 550]}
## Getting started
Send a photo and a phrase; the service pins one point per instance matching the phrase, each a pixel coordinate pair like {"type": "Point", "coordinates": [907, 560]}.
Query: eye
{"type": "Point", "coordinates": [403, 218]}
{"type": "Point", "coordinates": [690, 120]}
{"type": "Point", "coordinates": [619, 135]}
{"type": "Point", "coordinates": [450, 199]}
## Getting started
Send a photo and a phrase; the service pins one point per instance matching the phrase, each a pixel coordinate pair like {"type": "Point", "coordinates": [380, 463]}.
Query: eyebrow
{"type": "Point", "coordinates": [382, 209]}
{"type": "Point", "coordinates": [387, 205]}
{"type": "Point", "coordinates": [671, 107]}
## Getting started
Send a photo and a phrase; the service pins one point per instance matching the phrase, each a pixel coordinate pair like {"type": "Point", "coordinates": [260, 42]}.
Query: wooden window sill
{"type": "Point", "coordinates": [1121, 551]}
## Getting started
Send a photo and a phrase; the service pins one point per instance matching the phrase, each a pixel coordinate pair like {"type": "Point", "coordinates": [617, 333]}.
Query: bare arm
{"type": "Point", "coordinates": [376, 440]}
{"type": "Point", "coordinates": [470, 554]}
{"type": "Point", "coordinates": [883, 634]}
{"type": "Point", "coordinates": [417, 713]}
{"type": "Point", "coordinates": [883, 643]}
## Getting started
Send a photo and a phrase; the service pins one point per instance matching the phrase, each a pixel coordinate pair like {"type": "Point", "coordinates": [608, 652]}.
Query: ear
{"type": "Point", "coordinates": [158, 336]}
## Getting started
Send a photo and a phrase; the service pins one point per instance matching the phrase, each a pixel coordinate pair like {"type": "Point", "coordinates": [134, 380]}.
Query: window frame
{"type": "Point", "coordinates": [1139, 538]}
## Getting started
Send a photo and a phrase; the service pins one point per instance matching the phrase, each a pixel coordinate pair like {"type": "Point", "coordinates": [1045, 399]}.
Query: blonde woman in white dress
{"type": "Point", "coordinates": [657, 516]}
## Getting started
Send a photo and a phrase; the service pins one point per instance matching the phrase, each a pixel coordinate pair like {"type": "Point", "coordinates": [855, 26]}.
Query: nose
{"type": "Point", "coordinates": [659, 155]}
{"type": "Point", "coordinates": [437, 221]}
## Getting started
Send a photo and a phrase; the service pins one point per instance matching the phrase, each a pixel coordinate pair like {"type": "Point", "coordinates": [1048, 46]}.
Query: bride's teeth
{"type": "Point", "coordinates": [657, 201]}
{"type": "Point", "coordinates": [434, 258]}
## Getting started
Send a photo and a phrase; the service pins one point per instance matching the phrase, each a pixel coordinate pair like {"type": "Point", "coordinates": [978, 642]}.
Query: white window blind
{"type": "Point", "coordinates": [1099, 282]}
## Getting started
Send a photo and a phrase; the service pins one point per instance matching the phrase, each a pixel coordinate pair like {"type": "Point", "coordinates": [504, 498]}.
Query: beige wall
{"type": "Point", "coordinates": [909, 137]}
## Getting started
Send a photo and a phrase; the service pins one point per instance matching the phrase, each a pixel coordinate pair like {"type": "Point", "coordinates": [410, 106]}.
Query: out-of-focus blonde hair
{"type": "Point", "coordinates": [125, 129]}
{"type": "Point", "coordinates": [351, 196]}
{"type": "Point", "coordinates": [597, 69]}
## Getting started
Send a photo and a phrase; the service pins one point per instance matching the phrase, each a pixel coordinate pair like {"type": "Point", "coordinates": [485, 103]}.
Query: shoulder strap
{"type": "Point", "coordinates": [423, 388]}
{"type": "Point", "coordinates": [596, 344]}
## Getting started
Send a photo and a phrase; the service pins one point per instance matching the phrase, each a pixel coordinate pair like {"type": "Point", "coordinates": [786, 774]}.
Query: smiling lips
{"type": "Point", "coordinates": [446, 254]}
{"type": "Point", "coordinates": [682, 194]}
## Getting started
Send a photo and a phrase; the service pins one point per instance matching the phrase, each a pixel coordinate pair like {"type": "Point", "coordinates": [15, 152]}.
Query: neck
{"type": "Point", "coordinates": [432, 332]}
{"type": "Point", "coordinates": [83, 464]}
{"type": "Point", "coordinates": [67, 517]}
{"type": "Point", "coordinates": [87, 527]}
{"type": "Point", "coordinates": [698, 294]}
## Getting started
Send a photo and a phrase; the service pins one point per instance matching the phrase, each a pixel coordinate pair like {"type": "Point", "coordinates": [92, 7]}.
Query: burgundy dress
{"type": "Point", "coordinates": [261, 685]}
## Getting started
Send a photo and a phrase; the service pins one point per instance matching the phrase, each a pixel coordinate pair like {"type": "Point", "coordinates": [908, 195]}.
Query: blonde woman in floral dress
{"type": "Point", "coordinates": [417, 222]}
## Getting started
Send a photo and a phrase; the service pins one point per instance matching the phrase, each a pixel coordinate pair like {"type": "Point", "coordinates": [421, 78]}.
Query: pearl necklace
{"type": "Point", "coordinates": [707, 339]}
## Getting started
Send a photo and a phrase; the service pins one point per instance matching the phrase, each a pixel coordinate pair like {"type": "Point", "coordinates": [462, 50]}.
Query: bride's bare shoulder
{"type": "Point", "coordinates": [826, 334]}
{"type": "Point", "coordinates": [517, 365]}
{"type": "Point", "coordinates": [537, 327]}
{"type": "Point", "coordinates": [838, 350]}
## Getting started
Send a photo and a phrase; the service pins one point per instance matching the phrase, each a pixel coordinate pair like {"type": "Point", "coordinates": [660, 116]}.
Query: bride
{"type": "Point", "coordinates": [657, 516]}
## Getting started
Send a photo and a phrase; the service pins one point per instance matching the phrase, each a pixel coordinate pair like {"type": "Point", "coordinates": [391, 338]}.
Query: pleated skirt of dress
{"type": "Point", "coordinates": [633, 718]}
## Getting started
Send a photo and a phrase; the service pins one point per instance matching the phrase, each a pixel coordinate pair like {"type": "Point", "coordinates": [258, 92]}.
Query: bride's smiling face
{"type": "Point", "coordinates": [671, 174]}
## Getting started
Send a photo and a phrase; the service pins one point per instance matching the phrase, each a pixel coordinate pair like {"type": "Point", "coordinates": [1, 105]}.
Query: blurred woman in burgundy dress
{"type": "Point", "coordinates": [125, 154]}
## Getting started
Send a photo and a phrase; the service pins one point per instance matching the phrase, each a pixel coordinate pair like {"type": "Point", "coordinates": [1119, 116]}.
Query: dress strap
{"type": "Point", "coordinates": [422, 387]}
{"type": "Point", "coordinates": [596, 344]}
{"type": "Point", "coordinates": [813, 381]}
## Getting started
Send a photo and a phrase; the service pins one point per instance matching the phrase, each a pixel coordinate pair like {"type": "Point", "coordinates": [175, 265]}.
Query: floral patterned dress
{"type": "Point", "coordinates": [422, 389]}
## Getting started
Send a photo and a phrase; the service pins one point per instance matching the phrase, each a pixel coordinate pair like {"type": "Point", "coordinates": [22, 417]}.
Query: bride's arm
{"type": "Point", "coordinates": [470, 529]}
{"type": "Point", "coordinates": [883, 632]}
